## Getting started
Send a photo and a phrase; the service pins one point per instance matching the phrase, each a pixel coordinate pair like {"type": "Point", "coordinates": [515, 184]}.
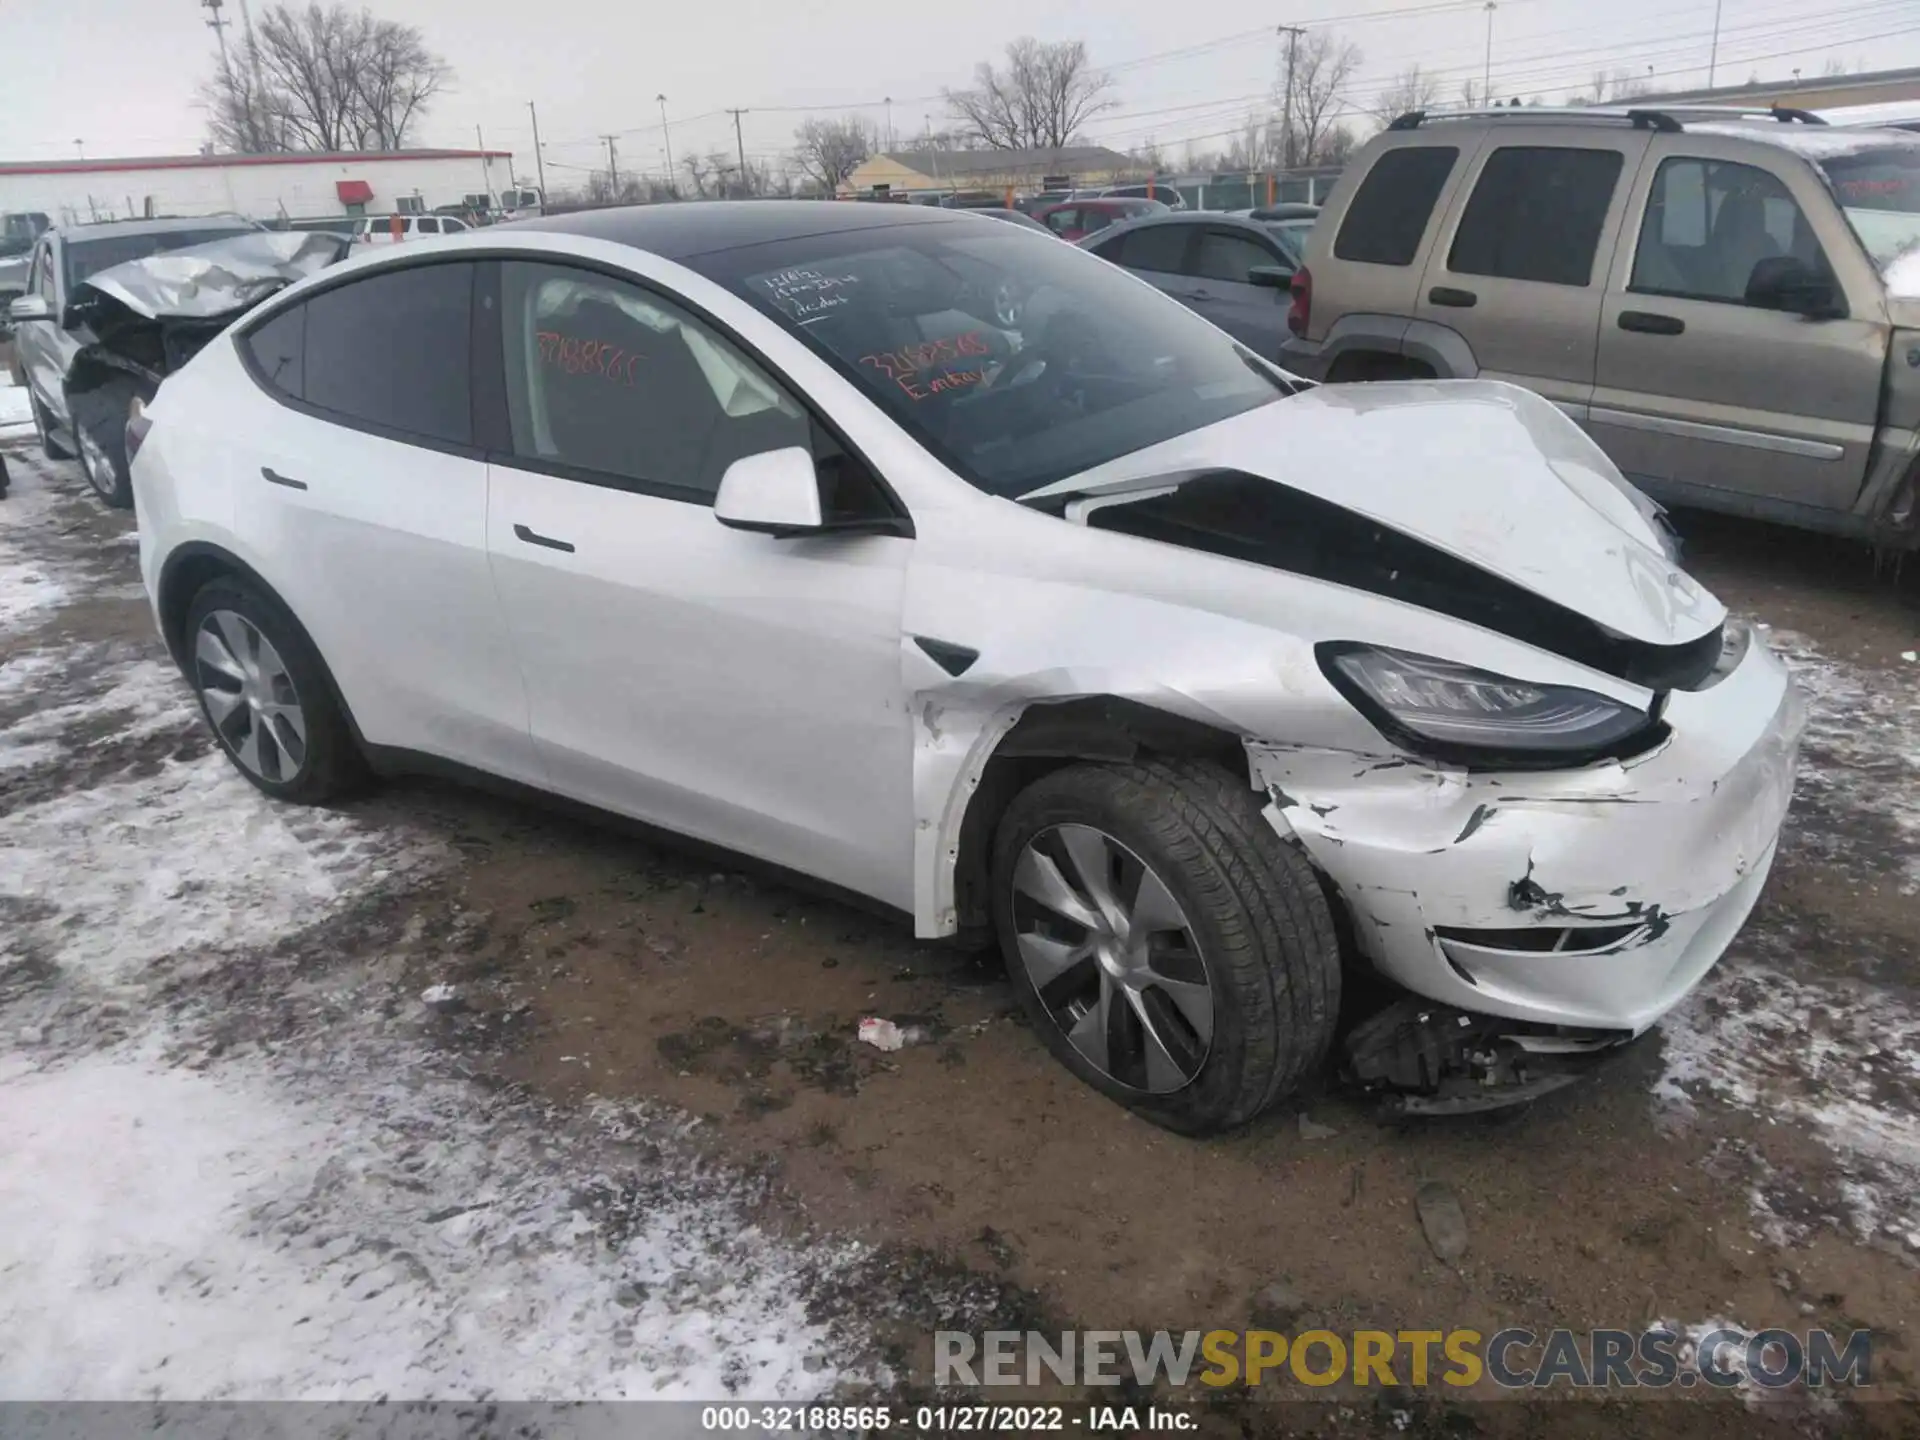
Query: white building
{"type": "Point", "coordinates": [262, 187]}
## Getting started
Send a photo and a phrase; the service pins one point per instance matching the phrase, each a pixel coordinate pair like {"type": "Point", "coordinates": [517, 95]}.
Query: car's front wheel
{"type": "Point", "coordinates": [100, 430]}
{"type": "Point", "coordinates": [1170, 949]}
{"type": "Point", "coordinates": [266, 695]}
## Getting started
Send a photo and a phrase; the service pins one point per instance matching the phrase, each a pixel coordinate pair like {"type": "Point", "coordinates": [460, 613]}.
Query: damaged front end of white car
{"type": "Point", "coordinates": [1538, 771]}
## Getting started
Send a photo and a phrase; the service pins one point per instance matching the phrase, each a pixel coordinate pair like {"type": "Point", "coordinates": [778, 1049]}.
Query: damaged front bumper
{"type": "Point", "coordinates": [1592, 898]}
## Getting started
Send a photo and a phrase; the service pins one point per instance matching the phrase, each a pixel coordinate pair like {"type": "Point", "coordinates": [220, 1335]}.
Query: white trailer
{"type": "Point", "coordinates": [262, 187]}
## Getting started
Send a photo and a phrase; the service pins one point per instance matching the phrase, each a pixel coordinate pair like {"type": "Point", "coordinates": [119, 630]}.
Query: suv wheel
{"type": "Point", "coordinates": [100, 430]}
{"type": "Point", "coordinates": [1170, 949]}
{"type": "Point", "coordinates": [263, 690]}
{"type": "Point", "coordinates": [43, 427]}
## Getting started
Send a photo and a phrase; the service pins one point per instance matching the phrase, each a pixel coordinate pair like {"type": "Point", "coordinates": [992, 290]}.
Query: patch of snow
{"type": "Point", "coordinates": [16, 406]}
{"type": "Point", "coordinates": [146, 696]}
{"type": "Point", "coordinates": [187, 860]}
{"type": "Point", "coordinates": [1836, 1053]}
{"type": "Point", "coordinates": [166, 1234]}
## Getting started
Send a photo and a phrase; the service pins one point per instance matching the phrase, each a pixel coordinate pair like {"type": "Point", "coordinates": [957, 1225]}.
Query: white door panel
{"type": "Point", "coordinates": [379, 548]}
{"type": "Point", "coordinates": [734, 687]}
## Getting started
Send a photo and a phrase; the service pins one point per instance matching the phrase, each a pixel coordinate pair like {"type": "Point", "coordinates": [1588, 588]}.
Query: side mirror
{"type": "Point", "coordinates": [29, 307]}
{"type": "Point", "coordinates": [1274, 277]}
{"type": "Point", "coordinates": [774, 493]}
{"type": "Point", "coordinates": [1785, 282]}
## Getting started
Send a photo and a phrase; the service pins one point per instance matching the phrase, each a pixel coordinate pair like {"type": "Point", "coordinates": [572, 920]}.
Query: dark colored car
{"type": "Point", "coordinates": [1076, 219]}
{"type": "Point", "coordinates": [1233, 270]}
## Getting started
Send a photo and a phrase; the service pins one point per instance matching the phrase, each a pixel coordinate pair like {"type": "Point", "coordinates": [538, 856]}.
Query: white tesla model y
{"type": "Point", "coordinates": [954, 567]}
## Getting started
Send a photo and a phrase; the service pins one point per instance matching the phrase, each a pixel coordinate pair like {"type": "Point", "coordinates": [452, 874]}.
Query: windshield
{"type": "Point", "coordinates": [87, 258]}
{"type": "Point", "coordinates": [1879, 193]}
{"type": "Point", "coordinates": [1015, 360]}
{"type": "Point", "coordinates": [1290, 236]}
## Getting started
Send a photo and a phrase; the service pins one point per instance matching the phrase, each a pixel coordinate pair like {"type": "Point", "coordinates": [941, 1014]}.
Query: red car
{"type": "Point", "coordinates": [1072, 219]}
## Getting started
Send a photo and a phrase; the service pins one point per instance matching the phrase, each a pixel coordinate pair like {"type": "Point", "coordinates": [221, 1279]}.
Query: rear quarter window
{"type": "Point", "coordinates": [1390, 210]}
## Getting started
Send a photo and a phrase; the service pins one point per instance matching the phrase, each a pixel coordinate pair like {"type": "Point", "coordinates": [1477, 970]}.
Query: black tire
{"type": "Point", "coordinates": [100, 431]}
{"type": "Point", "coordinates": [329, 764]}
{"type": "Point", "coordinates": [1264, 930]}
{"type": "Point", "coordinates": [43, 424]}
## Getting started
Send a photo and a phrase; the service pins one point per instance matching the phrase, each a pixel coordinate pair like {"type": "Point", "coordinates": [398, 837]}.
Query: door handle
{"type": "Point", "coordinates": [1650, 324]}
{"type": "Point", "coordinates": [523, 533]}
{"type": "Point", "coordinates": [1458, 299]}
{"type": "Point", "coordinates": [272, 477]}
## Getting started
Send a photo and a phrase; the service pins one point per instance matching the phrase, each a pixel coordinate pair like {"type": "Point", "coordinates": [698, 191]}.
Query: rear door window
{"type": "Point", "coordinates": [1390, 210]}
{"type": "Point", "coordinates": [278, 351]}
{"type": "Point", "coordinates": [391, 351]}
{"type": "Point", "coordinates": [1225, 255]}
{"type": "Point", "coordinates": [1159, 248]}
{"type": "Point", "coordinates": [1536, 213]}
{"type": "Point", "coordinates": [427, 225]}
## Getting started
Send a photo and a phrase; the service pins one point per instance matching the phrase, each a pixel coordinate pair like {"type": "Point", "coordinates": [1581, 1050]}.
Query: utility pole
{"type": "Point", "coordinates": [889, 103]}
{"type": "Point", "coordinates": [666, 139]}
{"type": "Point", "coordinates": [613, 168]}
{"type": "Point", "coordinates": [1486, 73]}
{"type": "Point", "coordinates": [486, 165]}
{"type": "Point", "coordinates": [218, 24]}
{"type": "Point", "coordinates": [1713, 53]}
{"type": "Point", "coordinates": [1293, 34]}
{"type": "Point", "coordinates": [741, 146]}
{"type": "Point", "coordinates": [539, 160]}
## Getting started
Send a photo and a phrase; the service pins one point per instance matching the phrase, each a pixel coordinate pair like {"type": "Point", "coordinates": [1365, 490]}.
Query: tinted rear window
{"type": "Point", "coordinates": [391, 351]}
{"type": "Point", "coordinates": [1536, 214]}
{"type": "Point", "coordinates": [1390, 210]}
{"type": "Point", "coordinates": [1159, 248]}
{"type": "Point", "coordinates": [278, 350]}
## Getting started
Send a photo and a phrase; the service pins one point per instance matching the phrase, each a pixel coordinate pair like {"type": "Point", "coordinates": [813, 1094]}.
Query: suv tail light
{"type": "Point", "coordinates": [137, 427]}
{"type": "Point", "coordinates": [1301, 311]}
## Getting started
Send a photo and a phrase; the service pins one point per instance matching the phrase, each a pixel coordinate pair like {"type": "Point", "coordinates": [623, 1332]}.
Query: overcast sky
{"type": "Point", "coordinates": [121, 75]}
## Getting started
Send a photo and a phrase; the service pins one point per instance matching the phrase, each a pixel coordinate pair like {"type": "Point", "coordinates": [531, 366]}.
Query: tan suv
{"type": "Point", "coordinates": [1728, 303]}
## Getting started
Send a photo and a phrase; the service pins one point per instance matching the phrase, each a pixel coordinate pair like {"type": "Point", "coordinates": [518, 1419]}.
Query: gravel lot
{"type": "Point", "coordinates": [440, 1095]}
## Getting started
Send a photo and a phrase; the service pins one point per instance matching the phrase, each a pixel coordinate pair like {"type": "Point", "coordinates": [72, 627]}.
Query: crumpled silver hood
{"type": "Point", "coordinates": [221, 277]}
{"type": "Point", "coordinates": [1485, 471]}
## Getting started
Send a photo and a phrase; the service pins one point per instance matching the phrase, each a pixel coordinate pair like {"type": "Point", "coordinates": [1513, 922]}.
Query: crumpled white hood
{"type": "Point", "coordinates": [1483, 470]}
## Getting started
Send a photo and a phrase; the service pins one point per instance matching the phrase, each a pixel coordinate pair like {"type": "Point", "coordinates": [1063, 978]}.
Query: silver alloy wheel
{"type": "Point", "coordinates": [98, 466]}
{"type": "Point", "coordinates": [1112, 957]}
{"type": "Point", "coordinates": [249, 696]}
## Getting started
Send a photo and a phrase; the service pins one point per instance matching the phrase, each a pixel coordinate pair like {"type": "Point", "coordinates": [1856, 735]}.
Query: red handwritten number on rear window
{"type": "Point", "coordinates": [574, 356]}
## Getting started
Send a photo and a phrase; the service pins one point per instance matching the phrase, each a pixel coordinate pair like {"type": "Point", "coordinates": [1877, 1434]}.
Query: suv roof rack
{"type": "Point", "coordinates": [1667, 118]}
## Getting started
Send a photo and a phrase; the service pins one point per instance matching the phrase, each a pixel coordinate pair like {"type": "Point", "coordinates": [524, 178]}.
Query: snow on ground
{"type": "Point", "coordinates": [15, 408]}
{"type": "Point", "coordinates": [236, 1164]}
{"type": "Point", "coordinates": [1831, 1047]}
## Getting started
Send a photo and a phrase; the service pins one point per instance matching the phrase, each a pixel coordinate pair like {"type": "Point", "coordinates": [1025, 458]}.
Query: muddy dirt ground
{"type": "Point", "coordinates": [1753, 1161]}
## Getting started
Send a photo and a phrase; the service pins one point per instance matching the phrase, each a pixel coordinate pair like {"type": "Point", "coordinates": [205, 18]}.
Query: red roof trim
{"type": "Point", "coordinates": [221, 162]}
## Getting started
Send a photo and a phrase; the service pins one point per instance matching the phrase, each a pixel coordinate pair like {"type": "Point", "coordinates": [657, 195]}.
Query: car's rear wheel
{"type": "Point", "coordinates": [1170, 949]}
{"type": "Point", "coordinates": [266, 695]}
{"type": "Point", "coordinates": [100, 430]}
{"type": "Point", "coordinates": [43, 427]}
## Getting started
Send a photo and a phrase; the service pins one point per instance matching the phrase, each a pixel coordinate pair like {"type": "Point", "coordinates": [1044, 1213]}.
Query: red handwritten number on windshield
{"type": "Point", "coordinates": [905, 365]}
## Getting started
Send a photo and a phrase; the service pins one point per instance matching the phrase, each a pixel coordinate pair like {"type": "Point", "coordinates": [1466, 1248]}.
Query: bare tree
{"type": "Point", "coordinates": [700, 174]}
{"type": "Point", "coordinates": [1413, 89]}
{"type": "Point", "coordinates": [828, 151]}
{"type": "Point", "coordinates": [398, 78]}
{"type": "Point", "coordinates": [1322, 65]}
{"type": "Point", "coordinates": [1046, 92]}
{"type": "Point", "coordinates": [324, 78]}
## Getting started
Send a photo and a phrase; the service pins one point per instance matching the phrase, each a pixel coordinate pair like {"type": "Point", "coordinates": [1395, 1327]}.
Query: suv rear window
{"type": "Point", "coordinates": [1536, 214]}
{"type": "Point", "coordinates": [1390, 210]}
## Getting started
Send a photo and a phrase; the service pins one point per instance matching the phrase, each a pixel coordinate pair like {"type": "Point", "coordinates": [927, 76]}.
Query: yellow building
{"type": "Point", "coordinates": [939, 172]}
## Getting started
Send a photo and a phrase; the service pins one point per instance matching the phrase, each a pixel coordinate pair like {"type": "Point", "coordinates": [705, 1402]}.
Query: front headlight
{"type": "Point", "coordinates": [1456, 713]}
